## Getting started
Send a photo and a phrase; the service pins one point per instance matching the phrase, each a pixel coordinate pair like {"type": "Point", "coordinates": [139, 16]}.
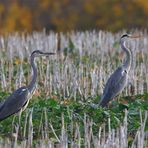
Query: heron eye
{"type": "Point", "coordinates": [125, 71]}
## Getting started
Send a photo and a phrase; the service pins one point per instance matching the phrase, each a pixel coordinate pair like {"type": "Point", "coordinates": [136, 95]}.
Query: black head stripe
{"type": "Point", "coordinates": [125, 35]}
{"type": "Point", "coordinates": [37, 51]}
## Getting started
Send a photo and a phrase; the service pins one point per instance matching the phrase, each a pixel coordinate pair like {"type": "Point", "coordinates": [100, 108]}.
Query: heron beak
{"type": "Point", "coordinates": [48, 53]}
{"type": "Point", "coordinates": [135, 36]}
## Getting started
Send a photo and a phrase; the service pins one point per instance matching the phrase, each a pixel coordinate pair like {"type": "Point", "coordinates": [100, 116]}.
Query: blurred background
{"type": "Point", "coordinates": [66, 15]}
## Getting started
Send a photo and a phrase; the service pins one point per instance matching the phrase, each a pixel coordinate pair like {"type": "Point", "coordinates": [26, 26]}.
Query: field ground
{"type": "Point", "coordinates": [61, 112]}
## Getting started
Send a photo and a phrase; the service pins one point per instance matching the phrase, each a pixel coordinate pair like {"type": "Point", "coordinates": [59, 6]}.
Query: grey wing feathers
{"type": "Point", "coordinates": [114, 85]}
{"type": "Point", "coordinates": [13, 103]}
{"type": "Point", "coordinates": [1, 105]}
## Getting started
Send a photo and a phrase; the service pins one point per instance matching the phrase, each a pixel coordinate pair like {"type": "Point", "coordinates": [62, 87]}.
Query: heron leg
{"type": "Point", "coordinates": [13, 123]}
{"type": "Point", "coordinates": [19, 123]}
{"type": "Point", "coordinates": [118, 98]}
{"type": "Point", "coordinates": [19, 116]}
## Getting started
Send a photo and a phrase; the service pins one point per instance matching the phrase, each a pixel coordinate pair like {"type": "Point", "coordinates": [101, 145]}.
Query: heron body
{"type": "Point", "coordinates": [118, 79]}
{"type": "Point", "coordinates": [19, 99]}
{"type": "Point", "coordinates": [114, 85]}
{"type": "Point", "coordinates": [14, 103]}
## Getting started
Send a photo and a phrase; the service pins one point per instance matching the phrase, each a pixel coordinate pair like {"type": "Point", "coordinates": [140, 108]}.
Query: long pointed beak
{"type": "Point", "coordinates": [48, 53]}
{"type": "Point", "coordinates": [136, 36]}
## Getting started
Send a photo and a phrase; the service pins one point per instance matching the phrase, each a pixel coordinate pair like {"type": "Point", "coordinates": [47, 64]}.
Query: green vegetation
{"type": "Point", "coordinates": [47, 112]}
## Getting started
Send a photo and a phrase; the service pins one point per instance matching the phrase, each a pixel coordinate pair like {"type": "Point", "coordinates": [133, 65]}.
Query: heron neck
{"type": "Point", "coordinates": [32, 84]}
{"type": "Point", "coordinates": [127, 62]}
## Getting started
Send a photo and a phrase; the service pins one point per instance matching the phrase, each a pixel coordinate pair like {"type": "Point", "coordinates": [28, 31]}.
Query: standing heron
{"type": "Point", "coordinates": [118, 79]}
{"type": "Point", "coordinates": [19, 99]}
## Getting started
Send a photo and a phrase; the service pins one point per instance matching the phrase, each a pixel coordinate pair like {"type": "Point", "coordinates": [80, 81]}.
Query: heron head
{"type": "Point", "coordinates": [37, 53]}
{"type": "Point", "coordinates": [125, 35]}
{"type": "Point", "coordinates": [130, 36]}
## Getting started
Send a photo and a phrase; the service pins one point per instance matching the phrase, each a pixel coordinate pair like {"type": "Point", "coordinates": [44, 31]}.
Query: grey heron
{"type": "Point", "coordinates": [19, 99]}
{"type": "Point", "coordinates": [117, 81]}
